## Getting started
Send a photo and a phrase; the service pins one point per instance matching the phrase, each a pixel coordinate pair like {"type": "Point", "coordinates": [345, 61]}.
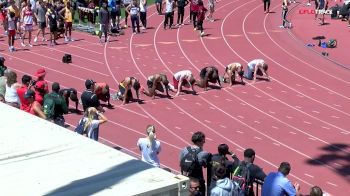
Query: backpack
{"type": "Point", "coordinates": [241, 177]}
{"type": "Point", "coordinates": [189, 163]}
{"type": "Point", "coordinates": [332, 43]}
{"type": "Point", "coordinates": [80, 129]}
{"type": "Point", "coordinates": [216, 163]}
{"type": "Point", "coordinates": [49, 106]}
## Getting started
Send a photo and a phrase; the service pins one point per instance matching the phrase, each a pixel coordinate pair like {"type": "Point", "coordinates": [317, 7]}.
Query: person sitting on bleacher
{"type": "Point", "coordinates": [34, 106]}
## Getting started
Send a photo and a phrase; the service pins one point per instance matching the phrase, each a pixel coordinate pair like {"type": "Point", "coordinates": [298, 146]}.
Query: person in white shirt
{"type": "Point", "coordinates": [183, 78]}
{"type": "Point", "coordinates": [150, 147]}
{"type": "Point", "coordinates": [256, 67]}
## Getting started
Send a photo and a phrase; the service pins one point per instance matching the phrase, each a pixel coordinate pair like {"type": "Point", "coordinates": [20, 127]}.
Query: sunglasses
{"type": "Point", "coordinates": [195, 187]}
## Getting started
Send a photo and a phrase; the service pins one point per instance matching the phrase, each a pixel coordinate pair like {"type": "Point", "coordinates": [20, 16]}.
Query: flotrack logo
{"type": "Point", "coordinates": [313, 11]}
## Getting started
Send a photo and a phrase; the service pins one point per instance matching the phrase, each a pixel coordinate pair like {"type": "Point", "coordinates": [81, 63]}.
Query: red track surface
{"type": "Point", "coordinates": [300, 116]}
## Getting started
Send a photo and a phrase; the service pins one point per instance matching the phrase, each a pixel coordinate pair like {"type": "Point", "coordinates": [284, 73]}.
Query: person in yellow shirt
{"type": "Point", "coordinates": [66, 13]}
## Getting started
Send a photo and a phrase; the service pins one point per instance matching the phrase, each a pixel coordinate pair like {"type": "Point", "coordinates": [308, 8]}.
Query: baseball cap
{"type": "Point", "coordinates": [89, 83]}
{"type": "Point", "coordinates": [40, 72]}
{"type": "Point", "coordinates": [29, 93]}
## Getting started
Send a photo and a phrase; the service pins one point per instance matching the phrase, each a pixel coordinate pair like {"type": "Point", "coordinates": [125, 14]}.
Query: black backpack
{"type": "Point", "coordinates": [189, 164]}
{"type": "Point", "coordinates": [241, 178]}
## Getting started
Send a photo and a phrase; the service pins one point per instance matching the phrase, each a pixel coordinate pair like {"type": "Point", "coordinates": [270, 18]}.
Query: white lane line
{"type": "Point", "coordinates": [283, 91]}
{"type": "Point", "coordinates": [291, 132]}
{"type": "Point", "coordinates": [240, 132]}
{"type": "Point", "coordinates": [306, 122]}
{"type": "Point", "coordinates": [273, 100]}
{"type": "Point", "coordinates": [299, 107]}
{"type": "Point", "coordinates": [289, 117]}
{"type": "Point", "coordinates": [332, 184]}
{"type": "Point", "coordinates": [272, 112]}
{"type": "Point", "coordinates": [312, 88]}
{"type": "Point", "coordinates": [298, 84]}
{"type": "Point", "coordinates": [240, 117]}
{"type": "Point", "coordinates": [223, 126]}
{"type": "Point", "coordinates": [311, 138]}
{"type": "Point", "coordinates": [337, 164]}
{"type": "Point", "coordinates": [275, 127]}
{"type": "Point", "coordinates": [181, 113]}
{"type": "Point", "coordinates": [184, 99]}
{"type": "Point", "coordinates": [257, 122]}
{"type": "Point", "coordinates": [242, 103]}
{"type": "Point", "coordinates": [198, 104]}
{"type": "Point", "coordinates": [277, 144]}
{"type": "Point", "coordinates": [325, 127]}
{"type": "Point", "coordinates": [335, 117]}
{"type": "Point", "coordinates": [168, 108]}
{"type": "Point", "coordinates": [339, 106]}
{"type": "Point", "coordinates": [257, 96]}
{"type": "Point", "coordinates": [308, 175]}
{"type": "Point", "coordinates": [216, 96]}
{"type": "Point", "coordinates": [178, 128]}
{"type": "Point", "coordinates": [345, 133]}
{"type": "Point", "coordinates": [212, 108]}
{"type": "Point", "coordinates": [207, 121]}
{"type": "Point", "coordinates": [269, 87]}
{"type": "Point", "coordinates": [314, 111]}
{"type": "Point", "coordinates": [301, 96]}
{"type": "Point", "coordinates": [244, 92]}
{"type": "Point", "coordinates": [258, 138]}
{"type": "Point", "coordinates": [154, 103]}
{"type": "Point", "coordinates": [331, 93]}
{"type": "Point", "coordinates": [207, 138]}
{"type": "Point", "coordinates": [228, 100]}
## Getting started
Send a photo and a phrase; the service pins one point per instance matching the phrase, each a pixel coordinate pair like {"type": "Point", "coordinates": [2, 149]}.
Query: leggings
{"type": "Point", "coordinates": [143, 18]}
{"type": "Point", "coordinates": [135, 23]}
{"type": "Point", "coordinates": [194, 19]}
{"type": "Point", "coordinates": [266, 5]}
{"type": "Point", "coordinates": [180, 15]}
{"type": "Point", "coordinates": [284, 17]}
{"type": "Point", "coordinates": [168, 16]}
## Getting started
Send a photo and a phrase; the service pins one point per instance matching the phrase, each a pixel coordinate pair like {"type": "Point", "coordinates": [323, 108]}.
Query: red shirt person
{"type": "Point", "coordinates": [40, 74]}
{"type": "Point", "coordinates": [26, 83]}
{"type": "Point", "coordinates": [102, 92]}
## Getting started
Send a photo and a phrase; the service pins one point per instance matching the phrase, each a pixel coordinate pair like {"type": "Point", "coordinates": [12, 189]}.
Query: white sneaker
{"type": "Point", "coordinates": [71, 39]}
{"type": "Point", "coordinates": [282, 27]}
{"type": "Point", "coordinates": [202, 33]}
{"type": "Point", "coordinates": [66, 39]}
{"type": "Point", "coordinates": [30, 45]}
{"type": "Point", "coordinates": [35, 39]}
{"type": "Point", "coordinates": [308, 4]}
{"type": "Point", "coordinates": [23, 45]}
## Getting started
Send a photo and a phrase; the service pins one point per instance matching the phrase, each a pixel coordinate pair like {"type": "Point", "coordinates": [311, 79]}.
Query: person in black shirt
{"type": "Point", "coordinates": [220, 159]}
{"type": "Point", "coordinates": [208, 74]}
{"type": "Point", "coordinates": [70, 93]}
{"type": "Point", "coordinates": [89, 98]}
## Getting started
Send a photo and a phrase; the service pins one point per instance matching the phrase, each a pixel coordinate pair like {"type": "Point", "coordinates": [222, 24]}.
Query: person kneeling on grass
{"type": "Point", "coordinates": [208, 74]}
{"type": "Point", "coordinates": [256, 67]}
{"type": "Point", "coordinates": [125, 93]}
{"type": "Point", "coordinates": [231, 71]}
{"type": "Point", "coordinates": [183, 78]}
{"type": "Point", "coordinates": [157, 82]}
{"type": "Point", "coordinates": [102, 92]}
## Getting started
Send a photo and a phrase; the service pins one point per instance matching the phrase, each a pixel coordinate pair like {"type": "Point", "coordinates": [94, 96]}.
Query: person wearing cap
{"type": "Point", "coordinates": [26, 81]}
{"type": "Point", "coordinates": [40, 75]}
{"type": "Point", "coordinates": [223, 185]}
{"type": "Point", "coordinates": [34, 107]}
{"type": "Point", "coordinates": [102, 92]}
{"type": "Point", "coordinates": [40, 91]}
{"type": "Point", "coordinates": [125, 86]}
{"type": "Point", "coordinates": [232, 71]}
{"type": "Point", "coordinates": [277, 183]}
{"type": "Point", "coordinates": [72, 94]}
{"type": "Point", "coordinates": [89, 98]}
{"type": "Point", "coordinates": [208, 74]}
{"type": "Point", "coordinates": [221, 159]}
{"type": "Point", "coordinates": [60, 105]}
{"type": "Point", "coordinates": [183, 78]}
{"type": "Point", "coordinates": [256, 67]}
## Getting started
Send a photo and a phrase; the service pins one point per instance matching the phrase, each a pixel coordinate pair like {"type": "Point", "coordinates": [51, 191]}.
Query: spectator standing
{"type": "Point", "coordinates": [11, 26]}
{"type": "Point", "coordinates": [40, 14]}
{"type": "Point", "coordinates": [169, 14]}
{"type": "Point", "coordinates": [104, 19]}
{"type": "Point", "coordinates": [220, 159]}
{"type": "Point", "coordinates": [40, 75]}
{"type": "Point", "coordinates": [266, 6]}
{"type": "Point", "coordinates": [11, 96]}
{"type": "Point", "coordinates": [181, 4]}
{"type": "Point", "coordinates": [134, 10]}
{"type": "Point", "coordinates": [150, 147]}
{"type": "Point", "coordinates": [255, 172]}
{"type": "Point", "coordinates": [55, 106]}
{"type": "Point", "coordinates": [211, 7]}
{"type": "Point", "coordinates": [159, 4]}
{"type": "Point", "coordinates": [66, 13]}
{"type": "Point", "coordinates": [201, 16]}
{"type": "Point", "coordinates": [40, 92]}
{"type": "Point", "coordinates": [126, 3]}
{"type": "Point", "coordinates": [223, 185]}
{"type": "Point", "coordinates": [277, 183]}
{"type": "Point", "coordinates": [26, 83]}
{"type": "Point", "coordinates": [34, 107]}
{"type": "Point", "coordinates": [51, 18]}
{"type": "Point", "coordinates": [89, 98]}
{"type": "Point", "coordinates": [198, 140]}
{"type": "Point", "coordinates": [194, 10]}
{"type": "Point", "coordinates": [143, 13]}
{"type": "Point", "coordinates": [27, 18]}
{"type": "Point", "coordinates": [92, 123]}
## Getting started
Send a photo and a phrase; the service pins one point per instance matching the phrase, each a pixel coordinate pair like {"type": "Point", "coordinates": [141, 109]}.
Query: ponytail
{"type": "Point", "coordinates": [150, 135]}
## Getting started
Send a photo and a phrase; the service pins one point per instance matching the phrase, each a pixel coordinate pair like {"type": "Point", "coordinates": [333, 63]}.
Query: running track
{"type": "Point", "coordinates": [300, 116]}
